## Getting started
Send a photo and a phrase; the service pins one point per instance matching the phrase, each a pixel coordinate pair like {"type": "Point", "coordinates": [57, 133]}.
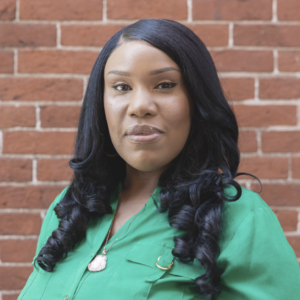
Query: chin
{"type": "Point", "coordinates": [144, 165]}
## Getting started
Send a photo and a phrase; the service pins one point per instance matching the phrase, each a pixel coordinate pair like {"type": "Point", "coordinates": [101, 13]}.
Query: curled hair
{"type": "Point", "coordinates": [194, 183]}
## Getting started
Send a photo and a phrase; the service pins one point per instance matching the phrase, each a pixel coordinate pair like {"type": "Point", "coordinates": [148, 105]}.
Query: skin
{"type": "Point", "coordinates": [141, 98]}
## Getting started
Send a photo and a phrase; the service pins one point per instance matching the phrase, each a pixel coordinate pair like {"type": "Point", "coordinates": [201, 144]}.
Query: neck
{"type": "Point", "coordinates": [138, 184]}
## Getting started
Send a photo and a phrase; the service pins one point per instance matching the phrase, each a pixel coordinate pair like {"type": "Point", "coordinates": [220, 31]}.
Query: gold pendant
{"type": "Point", "coordinates": [98, 263]}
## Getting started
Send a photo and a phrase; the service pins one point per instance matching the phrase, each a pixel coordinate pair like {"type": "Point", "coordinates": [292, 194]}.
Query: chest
{"type": "Point", "coordinates": [131, 267]}
{"type": "Point", "coordinates": [122, 215]}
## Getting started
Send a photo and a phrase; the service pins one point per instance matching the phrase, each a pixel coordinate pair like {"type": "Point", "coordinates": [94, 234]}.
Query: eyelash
{"type": "Point", "coordinates": [172, 84]}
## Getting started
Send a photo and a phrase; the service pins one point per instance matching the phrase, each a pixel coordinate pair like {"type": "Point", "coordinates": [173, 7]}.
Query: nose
{"type": "Point", "coordinates": [142, 103]}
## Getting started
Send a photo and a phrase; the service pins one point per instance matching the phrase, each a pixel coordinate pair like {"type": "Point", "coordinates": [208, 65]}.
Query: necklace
{"type": "Point", "coordinates": [99, 262]}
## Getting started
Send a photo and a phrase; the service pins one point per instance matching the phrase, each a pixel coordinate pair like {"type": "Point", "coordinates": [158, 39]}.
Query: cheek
{"type": "Point", "coordinates": [112, 114]}
{"type": "Point", "coordinates": [178, 116]}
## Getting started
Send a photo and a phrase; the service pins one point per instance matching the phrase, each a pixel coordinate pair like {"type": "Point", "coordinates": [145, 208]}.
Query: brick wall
{"type": "Point", "coordinates": [47, 50]}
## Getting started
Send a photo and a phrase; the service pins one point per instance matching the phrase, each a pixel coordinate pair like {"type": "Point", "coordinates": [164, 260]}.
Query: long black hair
{"type": "Point", "coordinates": [195, 181]}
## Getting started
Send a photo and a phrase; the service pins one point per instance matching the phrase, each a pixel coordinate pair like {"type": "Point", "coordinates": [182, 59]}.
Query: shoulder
{"type": "Point", "coordinates": [249, 200]}
{"type": "Point", "coordinates": [250, 208]}
{"type": "Point", "coordinates": [59, 197]}
{"type": "Point", "coordinates": [51, 220]}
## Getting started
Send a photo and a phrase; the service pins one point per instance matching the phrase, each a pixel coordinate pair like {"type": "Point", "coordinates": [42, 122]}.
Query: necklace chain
{"type": "Point", "coordinates": [105, 251]}
{"type": "Point", "coordinates": [99, 262]}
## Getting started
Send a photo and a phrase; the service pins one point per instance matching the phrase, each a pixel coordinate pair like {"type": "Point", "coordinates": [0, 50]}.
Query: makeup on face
{"type": "Point", "coordinates": [146, 105]}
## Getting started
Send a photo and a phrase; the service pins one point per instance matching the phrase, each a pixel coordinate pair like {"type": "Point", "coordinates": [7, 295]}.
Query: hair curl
{"type": "Point", "coordinates": [195, 182]}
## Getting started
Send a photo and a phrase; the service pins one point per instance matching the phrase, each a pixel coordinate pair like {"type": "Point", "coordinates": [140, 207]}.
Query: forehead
{"type": "Point", "coordinates": [137, 54]}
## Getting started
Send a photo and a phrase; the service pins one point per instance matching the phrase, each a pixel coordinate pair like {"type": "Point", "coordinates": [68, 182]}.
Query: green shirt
{"type": "Point", "coordinates": [258, 261]}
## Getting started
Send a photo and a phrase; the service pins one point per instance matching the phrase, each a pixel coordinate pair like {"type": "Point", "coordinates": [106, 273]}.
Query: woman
{"type": "Point", "coordinates": [153, 210]}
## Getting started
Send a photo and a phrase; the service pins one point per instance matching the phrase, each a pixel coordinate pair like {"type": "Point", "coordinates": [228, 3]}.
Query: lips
{"type": "Point", "coordinates": [140, 134]}
{"type": "Point", "coordinates": [142, 130]}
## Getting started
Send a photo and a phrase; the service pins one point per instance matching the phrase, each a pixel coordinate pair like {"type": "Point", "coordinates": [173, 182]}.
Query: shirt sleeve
{"type": "Point", "coordinates": [49, 224]}
{"type": "Point", "coordinates": [258, 262]}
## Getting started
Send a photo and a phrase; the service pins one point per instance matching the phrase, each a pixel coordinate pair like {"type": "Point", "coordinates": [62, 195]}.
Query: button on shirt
{"type": "Point", "coordinates": [257, 260]}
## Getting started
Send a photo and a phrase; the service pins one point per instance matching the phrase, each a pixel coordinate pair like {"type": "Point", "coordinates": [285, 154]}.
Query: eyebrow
{"type": "Point", "coordinates": [154, 72]}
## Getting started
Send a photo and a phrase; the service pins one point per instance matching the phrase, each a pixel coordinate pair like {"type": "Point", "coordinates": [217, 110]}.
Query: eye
{"type": "Point", "coordinates": [166, 85]}
{"type": "Point", "coordinates": [121, 87]}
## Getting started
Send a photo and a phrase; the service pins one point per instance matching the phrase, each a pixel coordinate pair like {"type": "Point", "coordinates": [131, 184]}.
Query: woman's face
{"type": "Point", "coordinates": [144, 87]}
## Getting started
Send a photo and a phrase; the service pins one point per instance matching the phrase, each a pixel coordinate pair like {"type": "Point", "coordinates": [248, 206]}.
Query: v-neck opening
{"type": "Point", "coordinates": [123, 227]}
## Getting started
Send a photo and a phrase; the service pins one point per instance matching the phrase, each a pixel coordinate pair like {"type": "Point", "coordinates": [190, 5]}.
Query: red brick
{"type": "Point", "coordinates": [132, 9]}
{"type": "Point", "coordinates": [232, 10]}
{"type": "Point", "coordinates": [56, 61]}
{"type": "Point", "coordinates": [279, 88]}
{"type": "Point", "coordinates": [289, 61]}
{"type": "Point", "coordinates": [243, 60]}
{"type": "Point", "coordinates": [6, 62]}
{"type": "Point", "coordinates": [247, 141]}
{"type": "Point", "coordinates": [20, 224]}
{"type": "Point", "coordinates": [296, 167]}
{"type": "Point", "coordinates": [60, 116]}
{"type": "Point", "coordinates": [17, 250]}
{"type": "Point", "coordinates": [288, 10]}
{"type": "Point", "coordinates": [288, 219]}
{"type": "Point", "coordinates": [14, 278]}
{"type": "Point", "coordinates": [54, 170]}
{"type": "Point", "coordinates": [33, 142]}
{"type": "Point", "coordinates": [212, 35]}
{"type": "Point", "coordinates": [98, 35]}
{"type": "Point", "coordinates": [28, 196]}
{"type": "Point", "coordinates": [12, 116]}
{"type": "Point", "coordinates": [238, 88]}
{"type": "Point", "coordinates": [264, 167]}
{"type": "Point", "coordinates": [281, 141]}
{"type": "Point", "coordinates": [10, 296]}
{"type": "Point", "coordinates": [279, 194]}
{"type": "Point", "coordinates": [61, 10]}
{"type": "Point", "coordinates": [27, 35]}
{"type": "Point", "coordinates": [12, 169]}
{"type": "Point", "coordinates": [7, 9]}
{"type": "Point", "coordinates": [88, 35]}
{"type": "Point", "coordinates": [38, 89]}
{"type": "Point", "coordinates": [265, 115]}
{"type": "Point", "coordinates": [294, 241]}
{"type": "Point", "coordinates": [267, 35]}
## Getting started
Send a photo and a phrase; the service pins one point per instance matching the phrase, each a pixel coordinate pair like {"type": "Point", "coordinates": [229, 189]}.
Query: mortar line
{"type": "Point", "coordinates": [274, 11]}
{"type": "Point", "coordinates": [1, 142]}
{"type": "Point", "coordinates": [190, 11]}
{"type": "Point", "coordinates": [85, 84]}
{"type": "Point", "coordinates": [18, 237]}
{"type": "Point", "coordinates": [258, 138]}
{"type": "Point", "coordinates": [37, 117]}
{"type": "Point", "coordinates": [289, 178]}
{"type": "Point", "coordinates": [127, 22]}
{"type": "Point", "coordinates": [104, 11]}
{"type": "Point", "coordinates": [275, 62]}
{"type": "Point", "coordinates": [46, 129]}
{"type": "Point", "coordinates": [58, 36]}
{"type": "Point", "coordinates": [17, 17]}
{"type": "Point", "coordinates": [15, 264]}
{"type": "Point", "coordinates": [234, 74]}
{"type": "Point", "coordinates": [21, 210]}
{"type": "Point", "coordinates": [15, 61]}
{"type": "Point", "coordinates": [256, 89]}
{"type": "Point", "coordinates": [34, 170]}
{"type": "Point", "coordinates": [298, 115]}
{"type": "Point", "coordinates": [216, 48]}
{"type": "Point", "coordinates": [230, 35]}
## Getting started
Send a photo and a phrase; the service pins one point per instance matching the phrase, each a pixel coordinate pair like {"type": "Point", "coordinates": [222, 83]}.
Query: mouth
{"type": "Point", "coordinates": [144, 138]}
{"type": "Point", "coordinates": [143, 133]}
